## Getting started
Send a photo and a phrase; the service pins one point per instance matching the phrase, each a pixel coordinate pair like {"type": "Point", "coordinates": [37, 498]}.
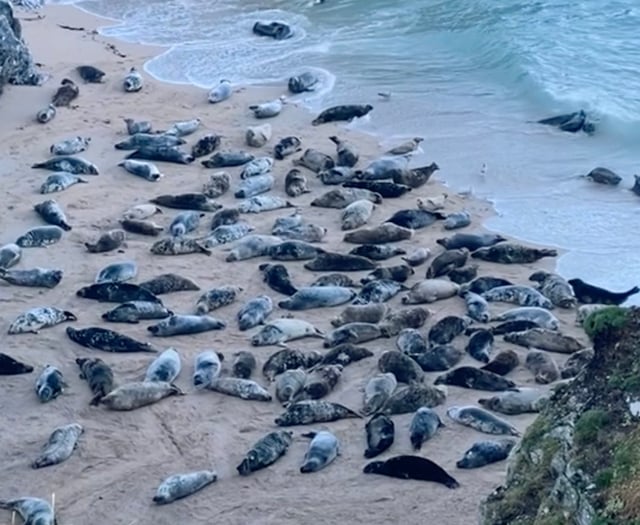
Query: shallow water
{"type": "Point", "coordinates": [467, 75]}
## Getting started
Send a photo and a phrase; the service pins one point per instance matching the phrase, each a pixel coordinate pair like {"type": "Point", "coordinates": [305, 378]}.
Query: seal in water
{"type": "Point", "coordinates": [220, 92]}
{"type": "Point", "coordinates": [207, 367]}
{"type": "Point", "coordinates": [555, 288]}
{"type": "Point", "coordinates": [424, 425]}
{"type": "Point", "coordinates": [486, 452]}
{"type": "Point", "coordinates": [52, 213]}
{"type": "Point", "coordinates": [107, 340]}
{"type": "Point", "coordinates": [109, 241]}
{"type": "Point", "coordinates": [70, 146]}
{"type": "Point", "coordinates": [604, 176]}
{"type": "Point", "coordinates": [167, 283]}
{"type": "Point", "coordinates": [66, 93]}
{"type": "Point", "coordinates": [183, 485]}
{"type": "Point", "coordinates": [115, 292]}
{"type": "Point", "coordinates": [323, 449]}
{"type": "Point", "coordinates": [481, 420]}
{"type": "Point", "coordinates": [277, 278]}
{"type": "Point", "coordinates": [254, 312]}
{"type": "Point", "coordinates": [38, 277]}
{"type": "Point", "coordinates": [60, 445]}
{"type": "Point", "coordinates": [589, 294]}
{"type": "Point", "coordinates": [99, 376]}
{"type": "Point", "coordinates": [380, 435]}
{"type": "Point", "coordinates": [265, 452]}
{"type": "Point", "coordinates": [475, 378]}
{"type": "Point", "coordinates": [60, 181]}
{"type": "Point", "coordinates": [139, 394]}
{"type": "Point", "coordinates": [34, 511]}
{"type": "Point", "coordinates": [516, 401]}
{"type": "Point", "coordinates": [133, 81]}
{"type": "Point", "coordinates": [345, 112]}
{"type": "Point", "coordinates": [40, 236]}
{"type": "Point", "coordinates": [35, 319]}
{"type": "Point", "coordinates": [276, 30]}
{"type": "Point", "coordinates": [46, 114]}
{"type": "Point", "coordinates": [185, 324]}
{"type": "Point", "coordinates": [543, 367]}
{"type": "Point", "coordinates": [64, 163]}
{"type": "Point", "coordinates": [217, 298]}
{"type": "Point", "coordinates": [117, 272]}
{"type": "Point", "coordinates": [571, 122]}
{"type": "Point", "coordinates": [346, 153]}
{"type": "Point", "coordinates": [313, 411]}
{"type": "Point", "coordinates": [49, 384]}
{"type": "Point", "coordinates": [411, 467]}
{"type": "Point", "coordinates": [166, 367]}
{"type": "Point", "coordinates": [306, 81]}
{"type": "Point", "coordinates": [10, 366]}
{"type": "Point", "coordinates": [244, 363]}
{"type": "Point", "coordinates": [503, 363]}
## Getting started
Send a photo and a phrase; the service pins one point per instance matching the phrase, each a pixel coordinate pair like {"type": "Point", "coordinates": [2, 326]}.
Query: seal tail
{"type": "Point", "coordinates": [39, 165]}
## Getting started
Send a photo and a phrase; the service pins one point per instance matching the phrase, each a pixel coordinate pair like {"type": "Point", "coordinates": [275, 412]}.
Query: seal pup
{"type": "Point", "coordinates": [447, 261]}
{"type": "Point", "coordinates": [52, 213]}
{"type": "Point", "coordinates": [137, 126]}
{"type": "Point", "coordinates": [417, 257]}
{"type": "Point", "coordinates": [518, 294]}
{"type": "Point", "coordinates": [117, 272]}
{"type": "Point", "coordinates": [335, 279]}
{"type": "Point", "coordinates": [34, 511]}
{"type": "Point", "coordinates": [10, 255]}
{"type": "Point", "coordinates": [475, 378]}
{"type": "Point", "coordinates": [410, 341]}
{"type": "Point", "coordinates": [544, 339]}
{"type": "Point", "coordinates": [143, 169]}
{"type": "Point", "coordinates": [268, 109]}
{"type": "Point", "coordinates": [207, 366]}
{"type": "Point", "coordinates": [185, 324]}
{"type": "Point", "coordinates": [543, 367]}
{"type": "Point", "coordinates": [35, 319]}
{"type": "Point", "coordinates": [254, 312]}
{"type": "Point", "coordinates": [277, 278]}
{"type": "Point", "coordinates": [430, 290]}
{"type": "Point", "coordinates": [244, 363]}
{"type": "Point", "coordinates": [38, 277]}
{"type": "Point", "coordinates": [45, 115]}
{"type": "Point", "coordinates": [294, 251]}
{"type": "Point", "coordinates": [150, 141]}
{"type": "Point", "coordinates": [378, 291]}
{"type": "Point", "coordinates": [477, 306]}
{"type": "Point", "coordinates": [283, 360]}
{"type": "Point", "coordinates": [166, 367]}
{"type": "Point", "coordinates": [459, 219]}
{"type": "Point", "coordinates": [179, 246]}
{"type": "Point", "coordinates": [60, 445]}
{"type": "Point", "coordinates": [70, 146]}
{"type": "Point", "coordinates": [108, 241]}
{"type": "Point", "coordinates": [107, 340]}
{"type": "Point", "coordinates": [313, 411]}
{"type": "Point", "coordinates": [116, 292]}
{"type": "Point", "coordinates": [295, 183]}
{"type": "Point", "coordinates": [185, 222]}
{"type": "Point", "coordinates": [515, 401]}
{"type": "Point", "coordinates": [217, 298]}
{"type": "Point", "coordinates": [305, 81]}
{"type": "Point", "coordinates": [289, 385]}
{"type": "Point", "coordinates": [479, 345]}
{"type": "Point", "coordinates": [384, 233]}
{"type": "Point", "coordinates": [49, 384]}
{"type": "Point", "coordinates": [356, 214]}
{"type": "Point", "coordinates": [576, 363]}
{"type": "Point", "coordinates": [380, 432]}
{"type": "Point", "coordinates": [315, 160]}
{"type": "Point", "coordinates": [541, 316]}
{"type": "Point", "coordinates": [346, 112]}
{"type": "Point", "coordinates": [603, 176]}
{"type": "Point", "coordinates": [266, 451]}
{"type": "Point", "coordinates": [363, 313]}
{"type": "Point", "coordinates": [286, 146]}
{"type": "Point", "coordinates": [99, 376]}
{"type": "Point", "coordinates": [243, 388]}
{"type": "Point", "coordinates": [60, 181]}
{"type": "Point", "coordinates": [280, 331]}
{"type": "Point", "coordinates": [167, 283]}
{"type": "Point", "coordinates": [406, 147]}
{"type": "Point", "coordinates": [394, 322]}
{"type": "Point", "coordinates": [10, 366]}
{"type": "Point", "coordinates": [411, 467]}
{"type": "Point", "coordinates": [503, 363]}
{"type": "Point", "coordinates": [65, 163]}
{"type": "Point", "coordinates": [447, 329]}
{"type": "Point", "coordinates": [275, 30]}
{"type": "Point", "coordinates": [133, 81]}
{"type": "Point", "coordinates": [590, 294]}
{"type": "Point", "coordinates": [225, 159]}
{"type": "Point", "coordinates": [470, 241]}
{"type": "Point", "coordinates": [67, 92]}
{"type": "Point", "coordinates": [258, 136]}
{"type": "Point", "coordinates": [322, 450]}
{"type": "Point", "coordinates": [512, 253]}
{"type": "Point", "coordinates": [251, 246]}
{"type": "Point", "coordinates": [481, 420]}
{"type": "Point", "coordinates": [309, 297]}
{"type": "Point", "coordinates": [182, 485]}
{"type": "Point", "coordinates": [205, 145]}
{"type": "Point", "coordinates": [339, 262]}
{"type": "Point", "coordinates": [410, 398]}
{"type": "Point", "coordinates": [400, 365]}
{"type": "Point", "coordinates": [321, 381]}
{"type": "Point", "coordinates": [424, 425]}
{"type": "Point", "coordinates": [377, 252]}
{"type": "Point", "coordinates": [305, 232]}
{"type": "Point", "coordinates": [346, 153]}
{"type": "Point", "coordinates": [220, 92]}
{"type": "Point", "coordinates": [377, 391]}
{"type": "Point", "coordinates": [40, 236]}
{"type": "Point", "coordinates": [353, 333]}
{"type": "Point", "coordinates": [483, 284]}
{"type": "Point", "coordinates": [139, 394]}
{"type": "Point", "coordinates": [484, 453]}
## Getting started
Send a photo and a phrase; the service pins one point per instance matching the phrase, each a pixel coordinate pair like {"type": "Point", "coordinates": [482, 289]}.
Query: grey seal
{"type": "Point", "coordinates": [415, 218]}
{"type": "Point", "coordinates": [340, 198]}
{"type": "Point", "coordinates": [447, 329]}
{"type": "Point", "coordinates": [345, 354]}
{"type": "Point", "coordinates": [141, 212]}
{"type": "Point", "coordinates": [220, 92]}
{"type": "Point", "coordinates": [205, 145]}
{"type": "Point", "coordinates": [226, 159]}
{"type": "Point", "coordinates": [365, 313]}
{"type": "Point", "coordinates": [99, 376]}
{"type": "Point", "coordinates": [283, 360]}
{"type": "Point", "coordinates": [430, 290]}
{"type": "Point", "coordinates": [338, 175]}
{"type": "Point", "coordinates": [34, 511]}
{"type": "Point", "coordinates": [305, 81]}
{"type": "Point", "coordinates": [261, 203]}
{"type": "Point", "coordinates": [571, 122]}
{"type": "Point", "coordinates": [323, 449]}
{"type": "Point", "coordinates": [476, 378]}
{"type": "Point", "coordinates": [179, 246]}
{"type": "Point", "coordinates": [541, 316]}
{"type": "Point", "coordinates": [387, 189]}
{"type": "Point", "coordinates": [543, 367]}
{"type": "Point", "coordinates": [187, 201]}
{"type": "Point", "coordinates": [400, 365]}
{"type": "Point", "coordinates": [258, 136]}
{"type": "Point", "coordinates": [295, 183]}
{"type": "Point", "coordinates": [117, 272]}
{"type": "Point", "coordinates": [137, 126]}
{"type": "Point", "coordinates": [289, 384]}
{"type": "Point", "coordinates": [320, 381]}
{"type": "Point", "coordinates": [52, 213]}
{"type": "Point", "coordinates": [207, 366]}
{"type": "Point", "coordinates": [424, 425]}
{"type": "Point", "coordinates": [353, 333]}
{"type": "Point", "coordinates": [254, 312]}
{"type": "Point", "coordinates": [483, 284]}
{"type": "Point", "coordinates": [167, 283]}
{"type": "Point", "coordinates": [417, 177]}
{"type": "Point", "coordinates": [356, 214]}
{"type": "Point", "coordinates": [377, 252]}
{"type": "Point", "coordinates": [544, 339]}
{"type": "Point", "coordinates": [512, 253]}
{"type": "Point", "coordinates": [185, 324]}
{"type": "Point", "coordinates": [141, 168]}
{"type": "Point", "coordinates": [182, 485]}
{"type": "Point", "coordinates": [317, 297]}
{"type": "Point", "coordinates": [254, 186]}
{"type": "Point", "coordinates": [217, 298]}
{"type": "Point", "coordinates": [243, 388]}
{"type": "Point", "coordinates": [380, 432]}
{"type": "Point", "coordinates": [384, 168]}
{"type": "Point", "coordinates": [410, 341]}
{"type": "Point", "coordinates": [604, 176]}
{"type": "Point", "coordinates": [341, 113]}
{"type": "Point", "coordinates": [225, 217]}
{"type": "Point", "coordinates": [66, 93]}
{"type": "Point", "coordinates": [107, 242]}
{"type": "Point", "coordinates": [10, 255]}
{"type": "Point", "coordinates": [517, 325]}
{"type": "Point", "coordinates": [33, 320]}
{"type": "Point", "coordinates": [107, 340]}
{"type": "Point", "coordinates": [463, 274]}
{"type": "Point", "coordinates": [447, 261]}
{"type": "Point", "coordinates": [409, 146]}
{"type": "Point", "coordinates": [217, 185]}
{"type": "Point", "coordinates": [471, 241]}
{"type": "Point", "coordinates": [504, 362]}
{"type": "Point", "coordinates": [518, 294]}
{"type": "Point", "coordinates": [411, 467]}
{"type": "Point", "coordinates": [166, 367]}
{"type": "Point", "coordinates": [49, 384]}
{"type": "Point", "coordinates": [244, 363]}
{"type": "Point", "coordinates": [286, 146]}
{"type": "Point", "coordinates": [40, 236]}
{"type": "Point", "coordinates": [413, 317]}
{"type": "Point", "coordinates": [590, 294]}
{"type": "Point", "coordinates": [405, 400]}
{"type": "Point", "coordinates": [480, 344]}
{"type": "Point", "coordinates": [377, 391]}
{"type": "Point", "coordinates": [60, 445]}
{"type": "Point", "coordinates": [268, 109]}
{"type": "Point", "coordinates": [346, 153]}
{"type": "Point", "coordinates": [265, 452]}
{"type": "Point", "coordinates": [68, 164]}
{"type": "Point", "coordinates": [315, 161]}
{"type": "Point", "coordinates": [149, 140]}
{"type": "Point", "coordinates": [515, 401]}
{"type": "Point", "coordinates": [116, 292]}
{"type": "Point", "coordinates": [277, 278]}
{"type": "Point", "coordinates": [438, 358]}
{"type": "Point", "coordinates": [417, 257]}
{"type": "Point", "coordinates": [139, 394]}
{"type": "Point", "coordinates": [227, 233]}
{"type": "Point", "coordinates": [185, 222]}
{"type": "Point", "coordinates": [133, 81]}
{"type": "Point", "coordinates": [339, 262]}
{"type": "Point", "coordinates": [335, 279]}
{"type": "Point", "coordinates": [47, 114]}
{"type": "Point", "coordinates": [70, 146]}
{"type": "Point", "coordinates": [60, 181]}
{"type": "Point", "coordinates": [38, 277]}
{"type": "Point", "coordinates": [280, 331]}
{"type": "Point", "coordinates": [481, 420]}
{"type": "Point", "coordinates": [384, 233]}
{"type": "Point", "coordinates": [301, 231]}
{"type": "Point", "coordinates": [294, 251]}
{"type": "Point", "coordinates": [459, 219]}
{"type": "Point", "coordinates": [477, 306]}
{"type": "Point", "coordinates": [378, 291]}
{"type": "Point", "coordinates": [555, 288]}
{"type": "Point", "coordinates": [484, 453]}
{"type": "Point", "coordinates": [10, 366]}
{"type": "Point", "coordinates": [576, 363]}
{"type": "Point", "coordinates": [313, 411]}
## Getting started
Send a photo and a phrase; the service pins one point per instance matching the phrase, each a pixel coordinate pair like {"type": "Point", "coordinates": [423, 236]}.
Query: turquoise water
{"type": "Point", "coordinates": [469, 76]}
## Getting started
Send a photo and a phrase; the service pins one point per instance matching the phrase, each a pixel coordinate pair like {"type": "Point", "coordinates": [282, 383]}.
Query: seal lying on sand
{"type": "Point", "coordinates": [380, 435]}
{"type": "Point", "coordinates": [265, 452]}
{"type": "Point", "coordinates": [99, 376]}
{"type": "Point", "coordinates": [107, 340]}
{"type": "Point", "coordinates": [60, 445]}
{"type": "Point", "coordinates": [485, 452]}
{"type": "Point", "coordinates": [346, 112]}
{"type": "Point", "coordinates": [182, 485]}
{"type": "Point", "coordinates": [138, 394]}
{"type": "Point", "coordinates": [10, 366]}
{"type": "Point", "coordinates": [411, 467]}
{"type": "Point", "coordinates": [34, 511]}
{"type": "Point", "coordinates": [481, 420]}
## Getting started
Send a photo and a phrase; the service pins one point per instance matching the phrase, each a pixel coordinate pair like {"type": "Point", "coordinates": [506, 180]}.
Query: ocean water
{"type": "Point", "coordinates": [470, 76]}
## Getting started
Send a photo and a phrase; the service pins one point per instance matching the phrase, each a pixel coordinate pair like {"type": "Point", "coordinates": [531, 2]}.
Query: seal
{"type": "Point", "coordinates": [315, 160]}
{"type": "Point", "coordinates": [481, 285]}
{"type": "Point", "coordinates": [542, 317]}
{"type": "Point", "coordinates": [11, 367]}
{"type": "Point", "coordinates": [410, 341]}
{"type": "Point", "coordinates": [345, 354]}
{"type": "Point", "coordinates": [338, 175]}
{"type": "Point", "coordinates": [447, 261]}
{"type": "Point", "coordinates": [380, 435]}
{"type": "Point", "coordinates": [335, 279]}
{"type": "Point", "coordinates": [516, 401]}
{"type": "Point", "coordinates": [604, 176]}
{"type": "Point", "coordinates": [544, 339]}
{"type": "Point", "coordinates": [65, 163]}
{"type": "Point", "coordinates": [480, 345]}
{"type": "Point", "coordinates": [590, 294]}
{"type": "Point", "coordinates": [165, 368]}
{"type": "Point", "coordinates": [584, 311]}
{"type": "Point", "coordinates": [47, 114]}
{"type": "Point", "coordinates": [52, 213]}
{"type": "Point", "coordinates": [185, 324]}
{"type": "Point", "coordinates": [513, 326]}
{"type": "Point", "coordinates": [243, 388]}
{"type": "Point", "coordinates": [286, 146]}
{"type": "Point", "coordinates": [309, 297]}
{"type": "Point", "coordinates": [417, 177]}
{"type": "Point", "coordinates": [543, 367]}
{"type": "Point", "coordinates": [289, 384]}
{"type": "Point", "coordinates": [456, 220]}
{"type": "Point", "coordinates": [512, 253]}
{"type": "Point", "coordinates": [356, 214]}
{"type": "Point", "coordinates": [167, 283]}
{"type": "Point", "coordinates": [115, 292]}
{"type": "Point", "coordinates": [576, 363]}
{"type": "Point", "coordinates": [31, 510]}
{"type": "Point", "coordinates": [400, 365]}
{"type": "Point", "coordinates": [417, 257]}
{"type": "Point", "coordinates": [99, 376]}
{"type": "Point", "coordinates": [371, 313]}
{"type": "Point", "coordinates": [384, 233]}
{"type": "Point", "coordinates": [471, 377]}
{"type": "Point", "coordinates": [70, 146]}
{"type": "Point", "coordinates": [423, 426]}
{"type": "Point", "coordinates": [430, 290]}
{"type": "Point", "coordinates": [555, 288]}
{"type": "Point", "coordinates": [59, 182]}
{"type": "Point", "coordinates": [268, 109]}
{"type": "Point", "coordinates": [35, 319]}
{"type": "Point", "coordinates": [182, 485]}
{"type": "Point", "coordinates": [339, 262]}
{"type": "Point", "coordinates": [377, 252]}
{"type": "Point", "coordinates": [432, 204]}
{"type": "Point", "coordinates": [254, 312]}
{"type": "Point", "coordinates": [133, 81]}
{"type": "Point", "coordinates": [137, 126]}
{"type": "Point", "coordinates": [384, 168]}
{"type": "Point", "coordinates": [518, 294]}
{"type": "Point", "coordinates": [138, 394]}
{"type": "Point", "coordinates": [162, 153]}
{"type": "Point", "coordinates": [636, 185]}
{"type": "Point", "coordinates": [226, 159]}
{"type": "Point", "coordinates": [408, 399]}
{"type": "Point", "coordinates": [217, 298]}
{"type": "Point", "coordinates": [258, 136]}
{"type": "Point", "coordinates": [294, 251]}
{"type": "Point", "coordinates": [571, 122]}
{"type": "Point", "coordinates": [484, 453]}
{"type": "Point", "coordinates": [464, 274]}
{"type": "Point", "coordinates": [398, 274]}
{"type": "Point", "coordinates": [205, 145]}
{"type": "Point", "coordinates": [305, 81]}
{"type": "Point", "coordinates": [225, 217]}
{"type": "Point", "coordinates": [295, 183]}
{"type": "Point", "coordinates": [447, 329]}
{"type": "Point", "coordinates": [481, 420]}
{"type": "Point", "coordinates": [10, 255]}
{"type": "Point", "coordinates": [283, 360]}
{"type": "Point", "coordinates": [303, 232]}
{"type": "Point", "coordinates": [411, 467]}
{"type": "Point", "coordinates": [40, 236]}
{"type": "Point", "coordinates": [117, 272]}
{"type": "Point", "coordinates": [277, 278]}
{"type": "Point", "coordinates": [143, 169]}
{"type": "Point", "coordinates": [185, 222]}
{"type": "Point", "coordinates": [206, 369]}
{"type": "Point", "coordinates": [388, 189]}
{"type": "Point", "coordinates": [282, 330]}
{"type": "Point", "coordinates": [50, 384]}
{"type": "Point", "coordinates": [438, 358]}
{"type": "Point", "coordinates": [107, 340]}
{"type": "Point", "coordinates": [477, 306]}
{"type": "Point", "coordinates": [377, 392]}
{"type": "Point", "coordinates": [415, 218]}
{"type": "Point", "coordinates": [406, 147]}
{"type": "Point", "coordinates": [226, 234]}
{"type": "Point", "coordinates": [261, 203]}
{"type": "Point", "coordinates": [220, 92]}
{"type": "Point", "coordinates": [341, 198]}
{"type": "Point", "coordinates": [265, 452]}
{"type": "Point", "coordinates": [179, 246]}
{"type": "Point", "coordinates": [60, 445]}
{"type": "Point", "coordinates": [470, 241]}
{"type": "Point", "coordinates": [244, 363]}
{"type": "Point", "coordinates": [346, 153]}
{"type": "Point", "coordinates": [320, 381]}
{"type": "Point", "coordinates": [37, 277]}
{"type": "Point", "coordinates": [313, 411]}
{"type": "Point", "coordinates": [346, 112]}
{"type": "Point", "coordinates": [252, 246]}
{"type": "Point", "coordinates": [149, 140]}
{"type": "Point", "coordinates": [353, 333]}
{"type": "Point", "coordinates": [275, 30]}
{"type": "Point", "coordinates": [379, 291]}
{"type": "Point", "coordinates": [323, 449]}
{"type": "Point", "coordinates": [503, 363]}
{"type": "Point", "coordinates": [66, 93]}
{"type": "Point", "coordinates": [108, 241]}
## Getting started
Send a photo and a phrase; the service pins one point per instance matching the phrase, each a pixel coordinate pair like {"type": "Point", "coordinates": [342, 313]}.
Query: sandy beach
{"type": "Point", "coordinates": [122, 457]}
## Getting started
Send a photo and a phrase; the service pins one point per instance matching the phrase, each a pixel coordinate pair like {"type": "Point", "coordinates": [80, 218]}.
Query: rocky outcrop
{"type": "Point", "coordinates": [16, 63]}
{"type": "Point", "coordinates": [579, 462]}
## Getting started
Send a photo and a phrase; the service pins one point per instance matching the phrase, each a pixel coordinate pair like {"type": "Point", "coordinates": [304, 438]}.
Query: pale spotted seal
{"type": "Point", "coordinates": [590, 294]}
{"type": "Point", "coordinates": [341, 198]}
{"type": "Point", "coordinates": [99, 376]}
{"type": "Point", "coordinates": [268, 109]}
{"type": "Point", "coordinates": [60, 445]}
{"type": "Point", "coordinates": [34, 511]}
{"type": "Point", "coordinates": [280, 331]}
{"type": "Point", "coordinates": [555, 287]}
{"type": "Point", "coordinates": [261, 203]}
{"type": "Point", "coordinates": [289, 384]}
{"type": "Point", "coordinates": [515, 401]}
{"type": "Point", "coordinates": [409, 146]}
{"type": "Point", "coordinates": [423, 426]}
{"type": "Point", "coordinates": [205, 145]}
{"type": "Point", "coordinates": [166, 367]}
{"type": "Point", "coordinates": [339, 113]}
{"type": "Point", "coordinates": [40, 236]}
{"type": "Point", "coordinates": [167, 283]}
{"type": "Point", "coordinates": [67, 164]}
{"type": "Point", "coordinates": [346, 153]}
{"type": "Point", "coordinates": [37, 277]}
{"type": "Point", "coordinates": [475, 378]}
{"type": "Point", "coordinates": [518, 294]}
{"type": "Point", "coordinates": [504, 362]}
{"type": "Point", "coordinates": [49, 384]}
{"type": "Point", "coordinates": [309, 297]}
{"type": "Point", "coordinates": [207, 366]}
{"type": "Point", "coordinates": [107, 340]}
{"type": "Point", "coordinates": [477, 306]}
{"type": "Point", "coordinates": [217, 298]}
{"type": "Point", "coordinates": [481, 420]}
{"type": "Point", "coordinates": [286, 146]}
{"type": "Point", "coordinates": [143, 169]}
{"type": "Point", "coordinates": [410, 341]}
{"type": "Point", "coordinates": [60, 181]}
{"type": "Point", "coordinates": [584, 311]}
{"type": "Point", "coordinates": [70, 146]}
{"type": "Point", "coordinates": [244, 363]}
{"type": "Point", "coordinates": [135, 311]}
{"type": "Point", "coordinates": [380, 435]}
{"type": "Point", "coordinates": [399, 273]}
{"type": "Point", "coordinates": [251, 246]}
{"type": "Point", "coordinates": [446, 329]}
{"type": "Point", "coordinates": [335, 279]}
{"type": "Point", "coordinates": [471, 241]}
{"type": "Point", "coordinates": [541, 316]}
{"type": "Point", "coordinates": [345, 354]}
{"type": "Point", "coordinates": [277, 278]}
{"type": "Point", "coordinates": [400, 365]}
{"type": "Point", "coordinates": [544, 339]}
{"type": "Point", "coordinates": [378, 291]}
{"type": "Point", "coordinates": [254, 312]}
{"type": "Point", "coordinates": [486, 452]}
{"type": "Point", "coordinates": [322, 450]}
{"type": "Point", "coordinates": [133, 81]}
{"type": "Point", "coordinates": [10, 366]}
{"type": "Point", "coordinates": [185, 222]}
{"type": "Point", "coordinates": [141, 212]}
{"type": "Point", "coordinates": [243, 388]}
{"type": "Point", "coordinates": [543, 367]}
{"type": "Point", "coordinates": [512, 253]}
{"type": "Point", "coordinates": [52, 213]}
{"type": "Point", "coordinates": [185, 324]}
{"type": "Point", "coordinates": [117, 272]}
{"type": "Point", "coordinates": [430, 290]}
{"type": "Point", "coordinates": [179, 246]}
{"type": "Point", "coordinates": [320, 381]}
{"type": "Point", "coordinates": [220, 92]}
{"type": "Point", "coordinates": [116, 292]}
{"type": "Point", "coordinates": [225, 217]}
{"type": "Point", "coordinates": [227, 233]}
{"type": "Point", "coordinates": [149, 140]}
{"type": "Point", "coordinates": [257, 136]}
{"type": "Point", "coordinates": [265, 452]}
{"type": "Point", "coordinates": [356, 214]}
{"type": "Point", "coordinates": [314, 411]}
{"type": "Point", "coordinates": [395, 321]}
{"type": "Point", "coordinates": [353, 333]}
{"type": "Point", "coordinates": [182, 485]}
{"type": "Point", "coordinates": [411, 467]}
{"type": "Point", "coordinates": [377, 391]}
{"type": "Point", "coordinates": [108, 241]}
{"type": "Point", "coordinates": [47, 114]}
{"type": "Point", "coordinates": [283, 360]}
{"type": "Point", "coordinates": [138, 394]}
{"type": "Point", "coordinates": [295, 183]}
{"type": "Point", "coordinates": [480, 344]}
{"type": "Point", "coordinates": [35, 319]}
{"type": "Point", "coordinates": [217, 185]}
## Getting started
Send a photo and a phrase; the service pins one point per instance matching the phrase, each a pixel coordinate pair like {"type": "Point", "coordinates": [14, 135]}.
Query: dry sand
{"type": "Point", "coordinates": [123, 456]}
